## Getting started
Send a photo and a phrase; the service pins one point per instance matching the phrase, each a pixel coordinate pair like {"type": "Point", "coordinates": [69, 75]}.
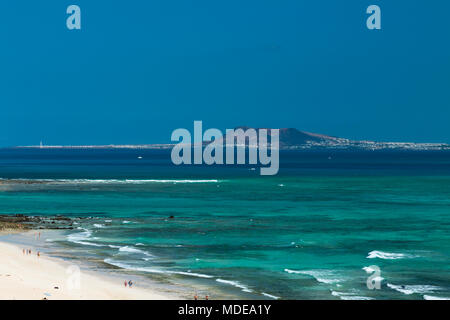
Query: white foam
{"type": "Point", "coordinates": [235, 284]}
{"type": "Point", "coordinates": [129, 267]}
{"type": "Point", "coordinates": [193, 274]}
{"type": "Point", "coordinates": [134, 250]}
{"type": "Point", "coordinates": [172, 181]}
{"type": "Point", "coordinates": [270, 296]}
{"type": "Point", "coordinates": [349, 296]}
{"type": "Point", "coordinates": [388, 255]}
{"type": "Point", "coordinates": [98, 225]}
{"type": "Point", "coordinates": [86, 234]}
{"type": "Point", "coordinates": [324, 276]}
{"type": "Point", "coordinates": [356, 298]}
{"type": "Point", "coordinates": [153, 270]}
{"type": "Point", "coordinates": [81, 237]}
{"type": "Point", "coordinates": [120, 181]}
{"type": "Point", "coordinates": [427, 297]}
{"type": "Point", "coordinates": [370, 270]}
{"type": "Point", "coordinates": [408, 289]}
{"type": "Point", "coordinates": [88, 243]}
{"type": "Point", "coordinates": [338, 294]}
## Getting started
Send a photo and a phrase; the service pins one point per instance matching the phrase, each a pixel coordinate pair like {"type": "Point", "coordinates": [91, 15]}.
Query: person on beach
{"type": "Point", "coordinates": [125, 283]}
{"type": "Point", "coordinates": [23, 251]}
{"type": "Point", "coordinates": [206, 297]}
{"type": "Point", "coordinates": [130, 284]}
{"type": "Point", "coordinates": [38, 254]}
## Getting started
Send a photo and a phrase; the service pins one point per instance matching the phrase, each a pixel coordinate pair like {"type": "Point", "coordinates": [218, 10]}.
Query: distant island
{"type": "Point", "coordinates": [290, 139]}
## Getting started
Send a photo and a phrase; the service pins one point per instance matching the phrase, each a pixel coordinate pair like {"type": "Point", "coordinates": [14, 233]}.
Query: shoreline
{"type": "Point", "coordinates": [32, 277]}
{"type": "Point", "coordinates": [22, 233]}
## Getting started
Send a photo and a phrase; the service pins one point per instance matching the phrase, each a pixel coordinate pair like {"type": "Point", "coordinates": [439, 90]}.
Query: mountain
{"type": "Point", "coordinates": [293, 139]}
{"type": "Point", "coordinates": [290, 137]}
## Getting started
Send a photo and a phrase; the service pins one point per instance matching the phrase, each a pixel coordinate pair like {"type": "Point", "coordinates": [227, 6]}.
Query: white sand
{"type": "Point", "coordinates": [28, 277]}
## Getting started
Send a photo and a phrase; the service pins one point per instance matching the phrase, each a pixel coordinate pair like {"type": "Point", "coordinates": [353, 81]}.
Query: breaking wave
{"type": "Point", "coordinates": [388, 255]}
{"type": "Point", "coordinates": [427, 297]}
{"type": "Point", "coordinates": [349, 296]}
{"type": "Point", "coordinates": [324, 276]}
{"type": "Point", "coordinates": [134, 250]}
{"type": "Point", "coordinates": [116, 181]}
{"type": "Point", "coordinates": [81, 237]}
{"type": "Point", "coordinates": [270, 296]}
{"type": "Point", "coordinates": [153, 270]}
{"type": "Point", "coordinates": [408, 289]}
{"type": "Point", "coordinates": [235, 284]}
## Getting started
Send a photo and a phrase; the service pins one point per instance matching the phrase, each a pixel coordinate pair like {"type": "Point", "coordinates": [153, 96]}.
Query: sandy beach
{"type": "Point", "coordinates": [29, 277]}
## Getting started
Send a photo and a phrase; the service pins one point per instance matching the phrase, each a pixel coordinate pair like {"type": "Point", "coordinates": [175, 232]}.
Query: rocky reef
{"type": "Point", "coordinates": [19, 222]}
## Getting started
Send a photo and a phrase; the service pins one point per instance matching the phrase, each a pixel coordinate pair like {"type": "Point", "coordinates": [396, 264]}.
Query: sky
{"type": "Point", "coordinates": [137, 70]}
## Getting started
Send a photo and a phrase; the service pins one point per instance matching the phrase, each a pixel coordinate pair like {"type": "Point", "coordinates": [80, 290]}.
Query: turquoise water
{"type": "Point", "coordinates": [307, 233]}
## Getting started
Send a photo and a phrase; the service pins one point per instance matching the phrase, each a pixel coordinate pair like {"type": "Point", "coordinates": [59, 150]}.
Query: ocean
{"type": "Point", "coordinates": [311, 232]}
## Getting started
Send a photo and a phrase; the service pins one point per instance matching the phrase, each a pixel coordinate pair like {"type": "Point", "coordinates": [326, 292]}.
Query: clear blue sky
{"type": "Point", "coordinates": [139, 69]}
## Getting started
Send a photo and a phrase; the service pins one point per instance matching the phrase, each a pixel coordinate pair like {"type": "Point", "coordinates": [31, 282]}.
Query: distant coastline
{"type": "Point", "coordinates": [289, 139]}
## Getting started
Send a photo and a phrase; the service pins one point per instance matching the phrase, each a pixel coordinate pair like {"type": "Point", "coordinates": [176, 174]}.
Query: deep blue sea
{"type": "Point", "coordinates": [316, 230]}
